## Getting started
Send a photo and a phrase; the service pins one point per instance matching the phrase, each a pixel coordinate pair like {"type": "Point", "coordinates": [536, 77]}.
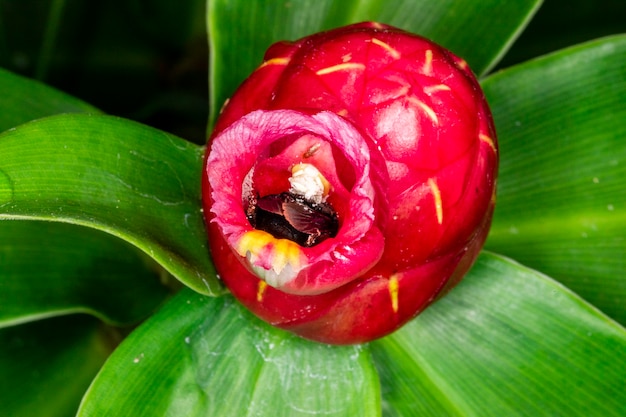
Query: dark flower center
{"type": "Point", "coordinates": [291, 216]}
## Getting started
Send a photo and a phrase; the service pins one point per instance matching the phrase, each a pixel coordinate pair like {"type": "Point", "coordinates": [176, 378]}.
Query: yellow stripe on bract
{"type": "Point", "coordinates": [434, 188]}
{"type": "Point", "coordinates": [394, 286]}
{"type": "Point", "coordinates": [487, 140]}
{"type": "Point", "coordinates": [426, 108]}
{"type": "Point", "coordinates": [341, 67]}
{"type": "Point", "coordinates": [261, 290]}
{"type": "Point", "coordinates": [392, 51]}
{"type": "Point", "coordinates": [428, 62]}
{"type": "Point", "coordinates": [275, 61]}
{"type": "Point", "coordinates": [436, 88]}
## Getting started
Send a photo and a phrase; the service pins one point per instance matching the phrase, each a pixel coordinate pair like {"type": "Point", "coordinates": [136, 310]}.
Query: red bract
{"type": "Point", "coordinates": [350, 181]}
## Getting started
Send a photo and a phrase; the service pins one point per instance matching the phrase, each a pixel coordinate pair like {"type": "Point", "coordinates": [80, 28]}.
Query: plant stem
{"type": "Point", "coordinates": [49, 39]}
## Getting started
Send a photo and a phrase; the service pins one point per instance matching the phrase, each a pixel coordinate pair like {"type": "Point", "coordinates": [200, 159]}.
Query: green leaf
{"type": "Point", "coordinates": [135, 182]}
{"type": "Point", "coordinates": [480, 32]}
{"type": "Point", "coordinates": [561, 203]}
{"type": "Point", "coordinates": [48, 365]}
{"type": "Point", "coordinates": [50, 269]}
{"type": "Point", "coordinates": [24, 100]}
{"type": "Point", "coordinates": [204, 356]}
{"type": "Point", "coordinates": [507, 341]}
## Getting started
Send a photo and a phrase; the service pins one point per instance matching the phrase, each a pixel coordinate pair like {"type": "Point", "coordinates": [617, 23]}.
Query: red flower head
{"type": "Point", "coordinates": [350, 182]}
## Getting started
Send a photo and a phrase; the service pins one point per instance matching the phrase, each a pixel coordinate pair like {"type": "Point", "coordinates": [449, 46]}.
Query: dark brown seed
{"type": "Point", "coordinates": [289, 216]}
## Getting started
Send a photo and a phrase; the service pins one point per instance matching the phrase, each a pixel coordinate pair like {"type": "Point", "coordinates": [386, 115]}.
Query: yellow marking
{"type": "Point", "coordinates": [261, 290]}
{"type": "Point", "coordinates": [434, 188]}
{"type": "Point", "coordinates": [281, 251]}
{"type": "Point", "coordinates": [462, 64]}
{"type": "Point", "coordinates": [341, 67]}
{"type": "Point", "coordinates": [392, 51]}
{"type": "Point", "coordinates": [343, 112]}
{"type": "Point", "coordinates": [427, 109]}
{"type": "Point", "coordinates": [311, 151]}
{"type": "Point", "coordinates": [488, 141]}
{"type": "Point", "coordinates": [286, 252]}
{"type": "Point", "coordinates": [275, 61]}
{"type": "Point", "coordinates": [436, 88]}
{"type": "Point", "coordinates": [224, 105]}
{"type": "Point", "coordinates": [261, 249]}
{"type": "Point", "coordinates": [428, 63]}
{"type": "Point", "coordinates": [253, 241]}
{"type": "Point", "coordinates": [393, 292]}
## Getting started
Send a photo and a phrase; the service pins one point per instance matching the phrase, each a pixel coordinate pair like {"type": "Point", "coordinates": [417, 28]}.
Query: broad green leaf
{"type": "Point", "coordinates": [47, 365]}
{"type": "Point", "coordinates": [135, 182]}
{"type": "Point", "coordinates": [203, 356]}
{"type": "Point", "coordinates": [507, 341]}
{"type": "Point", "coordinates": [480, 32]}
{"type": "Point", "coordinates": [23, 100]}
{"type": "Point", "coordinates": [49, 269]}
{"type": "Point", "coordinates": [561, 204]}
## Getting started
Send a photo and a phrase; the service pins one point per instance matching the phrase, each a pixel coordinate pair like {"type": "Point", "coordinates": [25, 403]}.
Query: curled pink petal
{"type": "Point", "coordinates": [235, 153]}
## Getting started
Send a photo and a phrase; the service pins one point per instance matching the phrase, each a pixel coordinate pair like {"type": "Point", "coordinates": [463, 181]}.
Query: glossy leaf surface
{"type": "Point", "coordinates": [507, 341]}
{"type": "Point", "coordinates": [561, 204]}
{"type": "Point", "coordinates": [203, 356]}
{"type": "Point", "coordinates": [52, 269]}
{"type": "Point", "coordinates": [132, 181]}
{"type": "Point", "coordinates": [47, 365]}
{"type": "Point", "coordinates": [236, 49]}
{"type": "Point", "coordinates": [55, 268]}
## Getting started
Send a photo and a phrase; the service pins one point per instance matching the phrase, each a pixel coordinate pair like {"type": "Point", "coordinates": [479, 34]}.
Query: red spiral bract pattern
{"type": "Point", "coordinates": [396, 137]}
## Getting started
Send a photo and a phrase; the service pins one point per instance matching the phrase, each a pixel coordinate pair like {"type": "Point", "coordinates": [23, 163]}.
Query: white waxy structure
{"type": "Point", "coordinates": [308, 182]}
